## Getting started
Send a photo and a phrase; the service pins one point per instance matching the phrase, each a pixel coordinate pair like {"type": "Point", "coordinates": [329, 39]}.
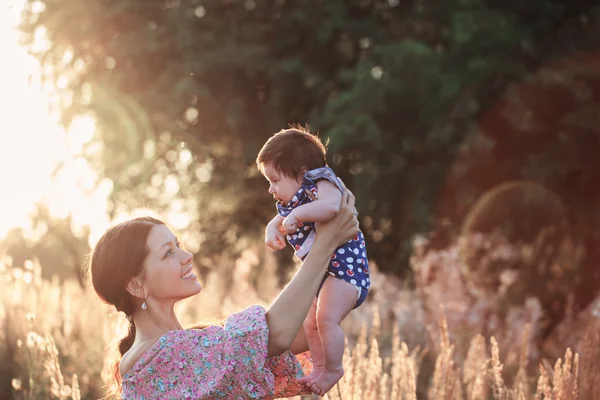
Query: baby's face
{"type": "Point", "coordinates": [282, 187]}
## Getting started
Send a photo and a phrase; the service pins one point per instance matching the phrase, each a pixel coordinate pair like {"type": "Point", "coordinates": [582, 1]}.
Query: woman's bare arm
{"type": "Point", "coordinates": [288, 311]}
{"type": "Point", "coordinates": [300, 343]}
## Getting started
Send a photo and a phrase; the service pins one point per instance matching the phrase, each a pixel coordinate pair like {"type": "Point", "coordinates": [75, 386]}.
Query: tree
{"type": "Point", "coordinates": [396, 86]}
{"type": "Point", "coordinates": [52, 242]}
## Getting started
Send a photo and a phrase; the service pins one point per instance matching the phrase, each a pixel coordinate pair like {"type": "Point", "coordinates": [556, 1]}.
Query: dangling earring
{"type": "Point", "coordinates": [144, 305]}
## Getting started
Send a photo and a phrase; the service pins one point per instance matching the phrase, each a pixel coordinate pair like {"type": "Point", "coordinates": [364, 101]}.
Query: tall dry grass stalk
{"type": "Point", "coordinates": [474, 377]}
{"type": "Point", "coordinates": [564, 382]}
{"type": "Point", "coordinates": [446, 376]}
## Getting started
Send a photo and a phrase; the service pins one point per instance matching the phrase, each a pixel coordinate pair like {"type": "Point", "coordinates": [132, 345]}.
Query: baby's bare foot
{"type": "Point", "coordinates": [314, 374]}
{"type": "Point", "coordinates": [326, 381]}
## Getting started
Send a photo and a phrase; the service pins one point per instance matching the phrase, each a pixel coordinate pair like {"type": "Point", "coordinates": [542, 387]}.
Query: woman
{"type": "Point", "coordinates": [138, 267]}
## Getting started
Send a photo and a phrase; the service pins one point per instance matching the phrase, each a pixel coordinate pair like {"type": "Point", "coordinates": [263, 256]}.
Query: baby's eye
{"type": "Point", "coordinates": [169, 253]}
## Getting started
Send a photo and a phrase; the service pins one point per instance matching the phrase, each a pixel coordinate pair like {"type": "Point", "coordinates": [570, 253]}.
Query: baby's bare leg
{"type": "Point", "coordinates": [314, 344]}
{"type": "Point", "coordinates": [336, 300]}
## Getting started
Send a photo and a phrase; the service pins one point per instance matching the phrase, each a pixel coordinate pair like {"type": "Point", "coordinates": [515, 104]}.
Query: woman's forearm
{"type": "Point", "coordinates": [300, 343]}
{"type": "Point", "coordinates": [287, 313]}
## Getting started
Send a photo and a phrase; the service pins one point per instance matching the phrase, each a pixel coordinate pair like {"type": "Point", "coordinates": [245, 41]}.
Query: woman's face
{"type": "Point", "coordinates": [168, 268]}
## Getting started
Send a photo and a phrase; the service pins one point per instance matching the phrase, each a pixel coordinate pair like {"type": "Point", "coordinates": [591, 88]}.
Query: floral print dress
{"type": "Point", "coordinates": [218, 362]}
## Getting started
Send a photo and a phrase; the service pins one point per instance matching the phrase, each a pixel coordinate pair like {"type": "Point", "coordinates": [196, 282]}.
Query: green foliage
{"type": "Point", "coordinates": [397, 89]}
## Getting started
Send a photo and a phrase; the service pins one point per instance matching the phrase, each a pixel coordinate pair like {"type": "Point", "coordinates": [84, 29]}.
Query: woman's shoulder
{"type": "Point", "coordinates": [131, 357]}
{"type": "Point", "coordinates": [142, 354]}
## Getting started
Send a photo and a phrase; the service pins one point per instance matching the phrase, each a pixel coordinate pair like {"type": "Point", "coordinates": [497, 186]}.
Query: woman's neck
{"type": "Point", "coordinates": [151, 324]}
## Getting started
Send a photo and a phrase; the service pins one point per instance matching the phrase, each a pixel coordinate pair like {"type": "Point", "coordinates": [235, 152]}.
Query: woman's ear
{"type": "Point", "coordinates": [135, 288]}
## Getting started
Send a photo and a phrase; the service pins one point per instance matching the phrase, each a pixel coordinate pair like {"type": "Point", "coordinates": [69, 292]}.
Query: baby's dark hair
{"type": "Point", "coordinates": [289, 150]}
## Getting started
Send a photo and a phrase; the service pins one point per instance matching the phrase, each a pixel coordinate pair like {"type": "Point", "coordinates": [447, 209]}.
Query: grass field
{"type": "Point", "coordinates": [57, 343]}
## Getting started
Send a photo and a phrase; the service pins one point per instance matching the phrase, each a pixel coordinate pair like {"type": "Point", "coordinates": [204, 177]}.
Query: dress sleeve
{"type": "Point", "coordinates": [287, 369]}
{"type": "Point", "coordinates": [249, 333]}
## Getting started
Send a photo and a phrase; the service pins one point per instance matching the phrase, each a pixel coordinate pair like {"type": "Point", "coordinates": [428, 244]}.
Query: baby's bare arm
{"type": "Point", "coordinates": [276, 221]}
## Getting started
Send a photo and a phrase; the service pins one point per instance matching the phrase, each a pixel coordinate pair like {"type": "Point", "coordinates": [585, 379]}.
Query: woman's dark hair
{"type": "Point", "coordinates": [119, 256]}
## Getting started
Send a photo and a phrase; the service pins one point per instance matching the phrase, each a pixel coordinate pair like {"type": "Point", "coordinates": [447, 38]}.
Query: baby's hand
{"type": "Point", "coordinates": [290, 224]}
{"type": "Point", "coordinates": [274, 237]}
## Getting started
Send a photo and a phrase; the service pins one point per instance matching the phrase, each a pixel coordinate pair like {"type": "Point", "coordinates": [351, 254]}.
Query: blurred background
{"type": "Point", "coordinates": [469, 131]}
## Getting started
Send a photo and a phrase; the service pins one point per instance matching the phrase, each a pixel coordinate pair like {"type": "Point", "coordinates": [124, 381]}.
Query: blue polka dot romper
{"type": "Point", "coordinates": [349, 261]}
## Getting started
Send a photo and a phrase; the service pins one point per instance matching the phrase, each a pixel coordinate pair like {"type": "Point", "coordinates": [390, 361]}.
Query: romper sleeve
{"type": "Point", "coordinates": [324, 173]}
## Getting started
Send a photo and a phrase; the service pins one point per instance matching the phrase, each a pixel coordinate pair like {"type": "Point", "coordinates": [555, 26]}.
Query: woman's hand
{"type": "Point", "coordinates": [343, 226]}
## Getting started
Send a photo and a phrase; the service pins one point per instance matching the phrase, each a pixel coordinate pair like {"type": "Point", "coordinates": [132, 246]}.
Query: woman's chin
{"type": "Point", "coordinates": [199, 286]}
{"type": "Point", "coordinates": [196, 288]}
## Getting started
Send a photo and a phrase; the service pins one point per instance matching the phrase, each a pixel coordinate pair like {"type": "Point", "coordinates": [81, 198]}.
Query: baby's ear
{"type": "Point", "coordinates": [303, 171]}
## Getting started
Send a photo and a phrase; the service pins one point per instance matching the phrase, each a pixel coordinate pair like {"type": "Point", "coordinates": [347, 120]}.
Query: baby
{"type": "Point", "coordinates": [307, 191]}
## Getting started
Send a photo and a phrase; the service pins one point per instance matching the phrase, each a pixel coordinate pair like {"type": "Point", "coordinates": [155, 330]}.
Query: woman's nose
{"type": "Point", "coordinates": [186, 257]}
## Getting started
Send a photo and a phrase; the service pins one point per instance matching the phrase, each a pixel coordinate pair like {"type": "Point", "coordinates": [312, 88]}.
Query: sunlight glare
{"type": "Point", "coordinates": [32, 145]}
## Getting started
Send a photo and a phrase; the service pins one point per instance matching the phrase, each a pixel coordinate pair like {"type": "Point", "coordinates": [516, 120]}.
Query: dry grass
{"type": "Point", "coordinates": [55, 341]}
